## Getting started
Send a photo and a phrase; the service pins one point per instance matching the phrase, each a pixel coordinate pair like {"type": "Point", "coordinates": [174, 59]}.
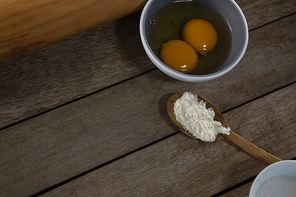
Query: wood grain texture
{"type": "Point", "coordinates": [80, 65]}
{"type": "Point", "coordinates": [265, 11]}
{"type": "Point", "coordinates": [242, 191]}
{"type": "Point", "coordinates": [232, 138]}
{"type": "Point", "coordinates": [182, 166]}
{"type": "Point", "coordinates": [95, 59]}
{"type": "Point", "coordinates": [77, 137]}
{"type": "Point", "coordinates": [27, 25]}
{"type": "Point", "coordinates": [250, 148]}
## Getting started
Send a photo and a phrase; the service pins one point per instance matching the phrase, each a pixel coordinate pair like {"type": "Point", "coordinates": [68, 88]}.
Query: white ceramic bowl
{"type": "Point", "coordinates": [282, 168]}
{"type": "Point", "coordinates": [239, 36]}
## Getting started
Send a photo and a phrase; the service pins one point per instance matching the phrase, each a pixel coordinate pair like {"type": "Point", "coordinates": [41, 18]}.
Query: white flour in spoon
{"type": "Point", "coordinates": [197, 119]}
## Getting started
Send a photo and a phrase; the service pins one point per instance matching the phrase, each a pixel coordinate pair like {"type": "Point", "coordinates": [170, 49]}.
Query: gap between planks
{"type": "Point", "coordinates": [154, 69]}
{"type": "Point", "coordinates": [123, 81]}
{"type": "Point", "coordinates": [282, 91]}
{"type": "Point", "coordinates": [72, 179]}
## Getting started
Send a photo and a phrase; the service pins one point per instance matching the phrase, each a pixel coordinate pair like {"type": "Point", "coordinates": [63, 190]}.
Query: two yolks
{"type": "Point", "coordinates": [199, 36]}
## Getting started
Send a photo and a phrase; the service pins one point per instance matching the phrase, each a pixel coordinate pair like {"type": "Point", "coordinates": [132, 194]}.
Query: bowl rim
{"type": "Point", "coordinates": [252, 192]}
{"type": "Point", "coordinates": [183, 76]}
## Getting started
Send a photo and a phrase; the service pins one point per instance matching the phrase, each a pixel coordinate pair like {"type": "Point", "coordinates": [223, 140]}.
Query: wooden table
{"type": "Point", "coordinates": [87, 116]}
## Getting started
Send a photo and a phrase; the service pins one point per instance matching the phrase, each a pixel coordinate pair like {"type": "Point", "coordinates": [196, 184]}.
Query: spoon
{"type": "Point", "coordinates": [232, 138]}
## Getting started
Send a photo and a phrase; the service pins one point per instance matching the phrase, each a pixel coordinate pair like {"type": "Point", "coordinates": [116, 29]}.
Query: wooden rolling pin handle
{"type": "Point", "coordinates": [26, 25]}
{"type": "Point", "coordinates": [251, 148]}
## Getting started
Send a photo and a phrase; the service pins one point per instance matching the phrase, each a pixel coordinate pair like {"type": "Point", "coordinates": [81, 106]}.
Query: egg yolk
{"type": "Point", "coordinates": [179, 55]}
{"type": "Point", "coordinates": [200, 34]}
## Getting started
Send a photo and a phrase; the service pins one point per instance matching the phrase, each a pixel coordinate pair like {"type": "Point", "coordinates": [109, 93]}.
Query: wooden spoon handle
{"type": "Point", "coordinates": [251, 148]}
{"type": "Point", "coordinates": [27, 25]}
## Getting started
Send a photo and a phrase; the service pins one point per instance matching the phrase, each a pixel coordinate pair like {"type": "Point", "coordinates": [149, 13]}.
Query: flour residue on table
{"type": "Point", "coordinates": [197, 119]}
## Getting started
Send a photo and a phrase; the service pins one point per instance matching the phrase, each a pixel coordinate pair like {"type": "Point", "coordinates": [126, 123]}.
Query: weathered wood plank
{"type": "Point", "coordinates": [169, 167]}
{"type": "Point", "coordinates": [93, 60]}
{"type": "Point", "coordinates": [265, 11]}
{"type": "Point", "coordinates": [65, 71]}
{"type": "Point", "coordinates": [79, 136]}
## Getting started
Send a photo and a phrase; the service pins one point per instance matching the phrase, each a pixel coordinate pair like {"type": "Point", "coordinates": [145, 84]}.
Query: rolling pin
{"type": "Point", "coordinates": [26, 25]}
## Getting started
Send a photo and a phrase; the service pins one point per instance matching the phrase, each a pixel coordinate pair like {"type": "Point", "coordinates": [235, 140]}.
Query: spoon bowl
{"type": "Point", "coordinates": [232, 138]}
